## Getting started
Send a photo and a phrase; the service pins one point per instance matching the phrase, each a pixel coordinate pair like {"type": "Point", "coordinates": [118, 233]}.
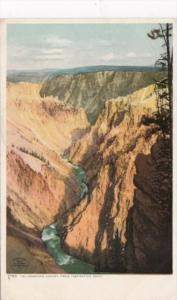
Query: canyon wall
{"type": "Point", "coordinates": [123, 223]}
{"type": "Point", "coordinates": [95, 229]}
{"type": "Point", "coordinates": [149, 223]}
{"type": "Point", "coordinates": [91, 90]}
{"type": "Point", "coordinates": [40, 184]}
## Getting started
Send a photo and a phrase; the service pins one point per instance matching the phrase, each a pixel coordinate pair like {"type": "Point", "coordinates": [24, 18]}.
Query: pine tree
{"type": "Point", "coordinates": [164, 87]}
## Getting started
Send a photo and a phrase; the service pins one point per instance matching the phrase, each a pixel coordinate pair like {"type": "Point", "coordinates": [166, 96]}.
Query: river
{"type": "Point", "coordinates": [52, 241]}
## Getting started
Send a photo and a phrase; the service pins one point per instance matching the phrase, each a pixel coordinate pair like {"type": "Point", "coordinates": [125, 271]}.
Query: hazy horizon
{"type": "Point", "coordinates": [67, 46]}
{"type": "Point", "coordinates": [82, 67]}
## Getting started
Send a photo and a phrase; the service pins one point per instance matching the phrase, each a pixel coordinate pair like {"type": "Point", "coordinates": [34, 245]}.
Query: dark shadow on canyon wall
{"type": "Point", "coordinates": [110, 259]}
{"type": "Point", "coordinates": [77, 134]}
{"type": "Point", "coordinates": [149, 223]}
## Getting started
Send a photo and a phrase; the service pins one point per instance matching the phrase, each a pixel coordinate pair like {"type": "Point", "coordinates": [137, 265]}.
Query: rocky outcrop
{"type": "Point", "coordinates": [123, 223]}
{"type": "Point", "coordinates": [91, 90]}
{"type": "Point", "coordinates": [40, 184]}
{"type": "Point", "coordinates": [26, 252]}
{"type": "Point", "coordinates": [95, 229]}
{"type": "Point", "coordinates": [36, 195]}
{"type": "Point", "coordinates": [26, 262]}
{"type": "Point", "coordinates": [41, 124]}
{"type": "Point", "coordinates": [149, 223]}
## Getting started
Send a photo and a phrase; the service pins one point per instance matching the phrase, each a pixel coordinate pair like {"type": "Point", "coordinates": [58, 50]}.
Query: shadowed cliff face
{"type": "Point", "coordinates": [149, 223]}
{"type": "Point", "coordinates": [108, 154]}
{"type": "Point", "coordinates": [123, 223]}
{"type": "Point", "coordinates": [91, 90]}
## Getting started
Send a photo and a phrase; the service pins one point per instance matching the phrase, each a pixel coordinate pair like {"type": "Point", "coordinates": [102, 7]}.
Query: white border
{"type": "Point", "coordinates": [69, 287]}
{"type": "Point", "coordinates": [88, 8]}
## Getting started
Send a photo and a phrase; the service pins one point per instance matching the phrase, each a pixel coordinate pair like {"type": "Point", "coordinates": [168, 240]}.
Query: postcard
{"type": "Point", "coordinates": [87, 164]}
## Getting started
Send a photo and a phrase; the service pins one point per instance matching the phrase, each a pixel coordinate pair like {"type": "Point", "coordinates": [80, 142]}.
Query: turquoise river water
{"type": "Point", "coordinates": [52, 241]}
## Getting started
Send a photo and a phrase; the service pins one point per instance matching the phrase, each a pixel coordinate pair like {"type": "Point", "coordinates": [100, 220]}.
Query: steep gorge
{"type": "Point", "coordinates": [116, 221]}
{"type": "Point", "coordinates": [91, 90]}
{"type": "Point", "coordinates": [40, 184]}
{"type": "Point", "coordinates": [107, 153]}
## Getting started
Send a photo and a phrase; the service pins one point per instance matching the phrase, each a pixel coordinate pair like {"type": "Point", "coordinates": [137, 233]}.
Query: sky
{"type": "Point", "coordinates": [42, 46]}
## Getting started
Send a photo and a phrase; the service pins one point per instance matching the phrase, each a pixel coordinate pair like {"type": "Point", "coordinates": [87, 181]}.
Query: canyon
{"type": "Point", "coordinates": [122, 221]}
{"type": "Point", "coordinates": [91, 90]}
